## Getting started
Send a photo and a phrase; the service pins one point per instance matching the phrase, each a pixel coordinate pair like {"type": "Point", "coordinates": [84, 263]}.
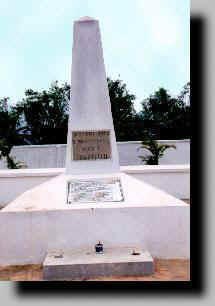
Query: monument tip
{"type": "Point", "coordinates": [86, 18]}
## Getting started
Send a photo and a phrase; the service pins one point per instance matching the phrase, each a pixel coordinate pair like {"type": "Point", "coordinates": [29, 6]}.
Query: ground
{"type": "Point", "coordinates": [165, 270]}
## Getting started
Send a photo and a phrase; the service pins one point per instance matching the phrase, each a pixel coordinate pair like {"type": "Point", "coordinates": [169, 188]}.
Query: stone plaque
{"type": "Point", "coordinates": [95, 190]}
{"type": "Point", "coordinates": [91, 145]}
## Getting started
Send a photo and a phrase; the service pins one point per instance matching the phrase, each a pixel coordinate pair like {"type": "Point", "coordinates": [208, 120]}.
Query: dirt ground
{"type": "Point", "coordinates": [165, 270]}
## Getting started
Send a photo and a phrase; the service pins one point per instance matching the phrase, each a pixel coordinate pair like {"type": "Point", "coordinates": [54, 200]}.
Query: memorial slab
{"type": "Point", "coordinates": [85, 263]}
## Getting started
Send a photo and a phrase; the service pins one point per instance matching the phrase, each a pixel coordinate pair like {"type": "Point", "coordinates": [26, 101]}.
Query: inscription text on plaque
{"type": "Point", "coordinates": [91, 145]}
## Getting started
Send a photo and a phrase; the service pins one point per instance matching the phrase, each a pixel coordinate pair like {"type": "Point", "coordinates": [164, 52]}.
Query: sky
{"type": "Point", "coordinates": [146, 43]}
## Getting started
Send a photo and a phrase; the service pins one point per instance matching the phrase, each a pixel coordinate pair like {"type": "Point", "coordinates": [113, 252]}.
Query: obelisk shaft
{"type": "Point", "coordinates": [90, 108]}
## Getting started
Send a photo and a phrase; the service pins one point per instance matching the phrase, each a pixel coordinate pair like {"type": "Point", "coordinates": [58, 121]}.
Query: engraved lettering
{"type": "Point", "coordinates": [91, 145]}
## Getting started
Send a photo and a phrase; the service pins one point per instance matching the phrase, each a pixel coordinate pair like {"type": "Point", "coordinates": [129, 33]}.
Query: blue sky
{"type": "Point", "coordinates": [146, 42]}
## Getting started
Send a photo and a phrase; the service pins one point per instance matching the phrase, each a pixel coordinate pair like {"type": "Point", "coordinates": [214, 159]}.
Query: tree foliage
{"type": "Point", "coordinates": [42, 116]}
{"type": "Point", "coordinates": [45, 114]}
{"type": "Point", "coordinates": [185, 94]}
{"type": "Point", "coordinates": [9, 133]}
{"type": "Point", "coordinates": [156, 149]}
{"type": "Point", "coordinates": [122, 108]}
{"type": "Point", "coordinates": [168, 117]}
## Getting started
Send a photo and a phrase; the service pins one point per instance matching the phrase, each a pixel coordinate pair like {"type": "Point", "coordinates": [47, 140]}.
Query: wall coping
{"type": "Point", "coordinates": [161, 141]}
{"type": "Point", "coordinates": [138, 169]}
{"type": "Point", "coordinates": [31, 172]}
{"type": "Point", "coordinates": [118, 142]}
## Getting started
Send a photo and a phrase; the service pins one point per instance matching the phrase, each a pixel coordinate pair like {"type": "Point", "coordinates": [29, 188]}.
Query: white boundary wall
{"type": "Point", "coordinates": [174, 179]}
{"type": "Point", "coordinates": [53, 156]}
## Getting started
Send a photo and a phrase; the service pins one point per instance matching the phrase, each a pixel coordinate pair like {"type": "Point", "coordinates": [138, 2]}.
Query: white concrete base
{"type": "Point", "coordinates": [85, 263]}
{"type": "Point", "coordinates": [39, 220]}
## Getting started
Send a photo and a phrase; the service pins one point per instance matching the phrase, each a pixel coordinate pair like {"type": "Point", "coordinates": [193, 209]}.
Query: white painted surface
{"type": "Point", "coordinates": [128, 153]}
{"type": "Point", "coordinates": [148, 217]}
{"type": "Point", "coordinates": [15, 182]}
{"type": "Point", "coordinates": [53, 156]}
{"type": "Point", "coordinates": [90, 108]}
{"type": "Point", "coordinates": [174, 179]}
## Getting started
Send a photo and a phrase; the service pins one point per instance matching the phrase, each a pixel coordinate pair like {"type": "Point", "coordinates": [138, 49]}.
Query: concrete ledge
{"type": "Point", "coordinates": [31, 172]}
{"type": "Point", "coordinates": [156, 169]}
{"type": "Point", "coordinates": [85, 263]}
{"type": "Point", "coordinates": [160, 141]}
{"type": "Point", "coordinates": [126, 169]}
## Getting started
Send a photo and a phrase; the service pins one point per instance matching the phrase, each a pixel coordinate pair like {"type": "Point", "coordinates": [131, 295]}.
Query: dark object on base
{"type": "Point", "coordinates": [99, 248]}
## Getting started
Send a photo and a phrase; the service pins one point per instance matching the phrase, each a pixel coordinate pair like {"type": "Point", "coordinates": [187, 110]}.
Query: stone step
{"type": "Point", "coordinates": [85, 263]}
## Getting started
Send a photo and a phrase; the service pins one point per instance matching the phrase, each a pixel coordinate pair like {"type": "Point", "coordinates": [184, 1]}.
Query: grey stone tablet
{"type": "Point", "coordinates": [100, 190]}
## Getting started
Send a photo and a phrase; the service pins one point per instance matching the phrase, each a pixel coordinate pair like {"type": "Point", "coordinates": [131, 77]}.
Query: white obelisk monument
{"type": "Point", "coordinates": [106, 205]}
{"type": "Point", "coordinates": [91, 143]}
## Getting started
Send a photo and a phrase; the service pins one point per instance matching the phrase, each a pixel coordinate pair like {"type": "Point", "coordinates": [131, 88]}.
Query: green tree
{"type": "Point", "coordinates": [122, 107]}
{"type": "Point", "coordinates": [45, 114]}
{"type": "Point", "coordinates": [185, 94]}
{"type": "Point", "coordinates": [9, 133]}
{"type": "Point", "coordinates": [168, 117]}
